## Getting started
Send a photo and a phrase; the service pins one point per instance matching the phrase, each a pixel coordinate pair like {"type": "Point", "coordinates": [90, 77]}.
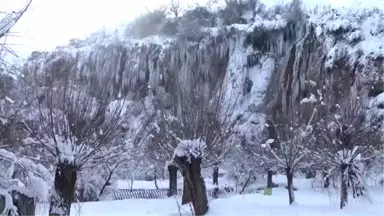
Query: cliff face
{"type": "Point", "coordinates": [263, 66]}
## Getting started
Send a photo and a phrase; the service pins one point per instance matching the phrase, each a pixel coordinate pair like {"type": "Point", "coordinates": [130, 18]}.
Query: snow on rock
{"type": "Point", "coordinates": [261, 23]}
{"type": "Point", "coordinates": [190, 148]}
{"type": "Point", "coordinates": [311, 99]}
{"type": "Point", "coordinates": [353, 33]}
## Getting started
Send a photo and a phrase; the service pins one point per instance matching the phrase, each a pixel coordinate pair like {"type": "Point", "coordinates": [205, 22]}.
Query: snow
{"type": "Point", "coordinates": [7, 22]}
{"type": "Point", "coordinates": [311, 99]}
{"type": "Point", "coordinates": [65, 148]}
{"type": "Point", "coordinates": [12, 179]}
{"type": "Point", "coordinates": [188, 148]}
{"type": "Point", "coordinates": [309, 202]}
{"type": "Point", "coordinates": [347, 156]}
{"type": "Point", "coordinates": [9, 100]}
{"type": "Point", "coordinates": [261, 23]}
{"type": "Point", "coordinates": [359, 33]}
{"type": "Point", "coordinates": [39, 187]}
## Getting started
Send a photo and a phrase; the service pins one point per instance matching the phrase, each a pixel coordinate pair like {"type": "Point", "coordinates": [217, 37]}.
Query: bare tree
{"type": "Point", "coordinates": [287, 148]}
{"type": "Point", "coordinates": [251, 133]}
{"type": "Point", "coordinates": [175, 8]}
{"type": "Point", "coordinates": [211, 2]}
{"type": "Point", "coordinates": [194, 115]}
{"type": "Point", "coordinates": [73, 127]}
{"type": "Point", "coordinates": [7, 22]}
{"type": "Point", "coordinates": [9, 107]}
{"type": "Point", "coordinates": [343, 139]}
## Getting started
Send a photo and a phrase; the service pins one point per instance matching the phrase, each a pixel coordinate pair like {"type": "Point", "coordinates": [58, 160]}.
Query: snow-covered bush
{"type": "Point", "coordinates": [147, 24]}
{"type": "Point", "coordinates": [23, 176]}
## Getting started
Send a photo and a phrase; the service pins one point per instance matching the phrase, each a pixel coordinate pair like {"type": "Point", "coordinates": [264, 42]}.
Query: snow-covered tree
{"type": "Point", "coordinates": [344, 139]}
{"type": "Point", "coordinates": [286, 147]}
{"type": "Point", "coordinates": [73, 127]}
{"type": "Point", "coordinates": [188, 157]}
{"type": "Point", "coordinates": [193, 114]}
{"type": "Point", "coordinates": [250, 135]}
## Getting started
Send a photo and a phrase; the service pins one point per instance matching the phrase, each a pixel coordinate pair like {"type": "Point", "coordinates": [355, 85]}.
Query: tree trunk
{"type": "Point", "coordinates": [187, 192]}
{"type": "Point", "coordinates": [199, 191]}
{"type": "Point", "coordinates": [215, 192]}
{"type": "Point", "coordinates": [291, 194]}
{"type": "Point", "coordinates": [250, 176]}
{"type": "Point", "coordinates": [325, 174]}
{"type": "Point", "coordinates": [269, 179]}
{"type": "Point", "coordinates": [172, 169]}
{"type": "Point", "coordinates": [194, 184]}
{"type": "Point", "coordinates": [107, 183]}
{"type": "Point", "coordinates": [64, 189]}
{"type": "Point", "coordinates": [343, 186]}
{"type": "Point", "coordinates": [155, 178]}
{"type": "Point", "coordinates": [25, 205]}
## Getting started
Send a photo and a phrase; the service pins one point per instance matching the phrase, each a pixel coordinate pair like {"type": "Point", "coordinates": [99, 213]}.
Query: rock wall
{"type": "Point", "coordinates": [261, 69]}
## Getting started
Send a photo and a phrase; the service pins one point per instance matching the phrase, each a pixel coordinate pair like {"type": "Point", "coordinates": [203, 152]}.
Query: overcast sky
{"type": "Point", "coordinates": [50, 23]}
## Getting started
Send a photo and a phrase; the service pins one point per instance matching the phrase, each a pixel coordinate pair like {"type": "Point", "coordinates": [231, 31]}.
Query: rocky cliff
{"type": "Point", "coordinates": [265, 65]}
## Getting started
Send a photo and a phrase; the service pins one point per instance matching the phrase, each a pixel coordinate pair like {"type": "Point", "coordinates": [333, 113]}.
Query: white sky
{"type": "Point", "coordinates": [50, 23]}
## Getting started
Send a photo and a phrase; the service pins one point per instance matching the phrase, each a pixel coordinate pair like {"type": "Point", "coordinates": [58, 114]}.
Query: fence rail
{"type": "Point", "coordinates": [122, 194]}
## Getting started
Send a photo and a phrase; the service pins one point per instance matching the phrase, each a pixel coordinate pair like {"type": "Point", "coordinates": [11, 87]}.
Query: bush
{"type": "Point", "coordinates": [294, 11]}
{"type": "Point", "coordinates": [89, 186]}
{"type": "Point", "coordinates": [148, 24]}
{"type": "Point", "coordinates": [233, 12]}
{"type": "Point", "coordinates": [192, 22]}
{"type": "Point", "coordinates": [170, 27]}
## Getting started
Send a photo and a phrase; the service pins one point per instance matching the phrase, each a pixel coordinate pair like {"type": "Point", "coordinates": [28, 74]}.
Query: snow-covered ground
{"type": "Point", "coordinates": [309, 202]}
{"type": "Point", "coordinates": [300, 183]}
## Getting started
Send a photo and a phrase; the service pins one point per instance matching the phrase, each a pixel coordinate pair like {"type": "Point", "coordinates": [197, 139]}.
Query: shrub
{"type": "Point", "coordinates": [147, 24]}
{"type": "Point", "coordinates": [170, 27]}
{"type": "Point", "coordinates": [192, 22]}
{"type": "Point", "coordinates": [233, 12]}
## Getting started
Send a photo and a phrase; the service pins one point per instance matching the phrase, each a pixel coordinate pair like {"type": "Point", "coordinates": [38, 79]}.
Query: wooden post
{"type": "Point", "coordinates": [25, 205]}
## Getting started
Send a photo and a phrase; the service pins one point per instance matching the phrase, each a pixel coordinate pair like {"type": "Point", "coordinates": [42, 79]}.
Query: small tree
{"type": "Point", "coordinates": [251, 133]}
{"type": "Point", "coordinates": [343, 139]}
{"type": "Point", "coordinates": [147, 24]}
{"type": "Point", "coordinates": [286, 148]}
